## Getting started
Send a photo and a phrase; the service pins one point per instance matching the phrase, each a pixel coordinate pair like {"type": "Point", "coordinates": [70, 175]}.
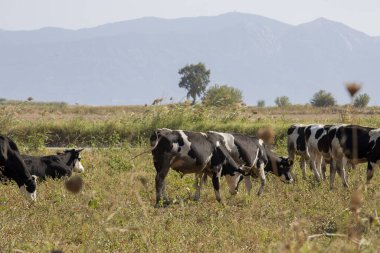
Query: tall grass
{"type": "Point", "coordinates": [114, 212]}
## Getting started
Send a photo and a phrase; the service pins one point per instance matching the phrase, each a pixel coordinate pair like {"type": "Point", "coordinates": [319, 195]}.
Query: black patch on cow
{"type": "Point", "coordinates": [291, 130]}
{"type": "Point", "coordinates": [324, 144]}
{"type": "Point", "coordinates": [179, 149]}
{"type": "Point", "coordinates": [346, 136]}
{"type": "Point", "coordinates": [180, 140]}
{"type": "Point", "coordinates": [307, 133]}
{"type": "Point", "coordinates": [319, 133]}
{"type": "Point", "coordinates": [300, 142]}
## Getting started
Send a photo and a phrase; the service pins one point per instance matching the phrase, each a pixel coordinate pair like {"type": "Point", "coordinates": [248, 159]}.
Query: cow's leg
{"type": "Point", "coordinates": [198, 185]}
{"type": "Point", "coordinates": [342, 172]}
{"type": "Point", "coordinates": [318, 163]}
{"type": "Point", "coordinates": [313, 167]}
{"type": "Point", "coordinates": [370, 170]}
{"type": "Point", "coordinates": [262, 179]}
{"type": "Point", "coordinates": [323, 168]}
{"type": "Point", "coordinates": [162, 172]}
{"type": "Point", "coordinates": [303, 166]}
{"type": "Point", "coordinates": [248, 184]}
{"type": "Point", "coordinates": [216, 184]}
{"type": "Point", "coordinates": [332, 173]}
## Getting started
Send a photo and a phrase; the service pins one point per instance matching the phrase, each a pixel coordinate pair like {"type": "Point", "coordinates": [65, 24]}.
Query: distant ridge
{"type": "Point", "coordinates": [136, 61]}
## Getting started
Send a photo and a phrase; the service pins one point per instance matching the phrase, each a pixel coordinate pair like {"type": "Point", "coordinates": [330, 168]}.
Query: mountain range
{"type": "Point", "coordinates": [137, 61]}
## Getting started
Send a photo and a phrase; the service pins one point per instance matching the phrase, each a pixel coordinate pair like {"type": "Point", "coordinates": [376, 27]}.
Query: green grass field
{"type": "Point", "coordinates": [114, 212]}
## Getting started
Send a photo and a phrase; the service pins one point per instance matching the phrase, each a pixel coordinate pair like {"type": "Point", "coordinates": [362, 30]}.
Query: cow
{"type": "Point", "coordinates": [12, 167]}
{"type": "Point", "coordinates": [191, 152]}
{"type": "Point", "coordinates": [353, 143]}
{"type": "Point", "coordinates": [54, 166]}
{"type": "Point", "coordinates": [254, 157]}
{"type": "Point", "coordinates": [296, 145]}
{"type": "Point", "coordinates": [318, 149]}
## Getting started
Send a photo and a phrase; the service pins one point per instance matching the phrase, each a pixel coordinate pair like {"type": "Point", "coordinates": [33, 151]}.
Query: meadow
{"type": "Point", "coordinates": [115, 210]}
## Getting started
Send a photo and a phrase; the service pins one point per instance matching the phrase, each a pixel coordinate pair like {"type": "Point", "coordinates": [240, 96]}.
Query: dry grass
{"type": "Point", "coordinates": [114, 212]}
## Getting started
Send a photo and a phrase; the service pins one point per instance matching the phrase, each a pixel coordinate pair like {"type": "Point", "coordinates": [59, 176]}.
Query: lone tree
{"type": "Point", "coordinates": [361, 100]}
{"type": "Point", "coordinates": [323, 99]}
{"type": "Point", "coordinates": [194, 78]}
{"type": "Point", "coordinates": [222, 95]}
{"type": "Point", "coordinates": [282, 101]}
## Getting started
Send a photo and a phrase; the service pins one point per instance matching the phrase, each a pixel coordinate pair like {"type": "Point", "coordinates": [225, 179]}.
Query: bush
{"type": "Point", "coordinates": [323, 99]}
{"type": "Point", "coordinates": [261, 103]}
{"type": "Point", "coordinates": [361, 100]}
{"type": "Point", "coordinates": [222, 95]}
{"type": "Point", "coordinates": [282, 101]}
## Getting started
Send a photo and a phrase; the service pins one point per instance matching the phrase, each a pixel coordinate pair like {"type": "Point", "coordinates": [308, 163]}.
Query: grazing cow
{"type": "Point", "coordinates": [356, 144]}
{"type": "Point", "coordinates": [54, 166]}
{"type": "Point", "coordinates": [318, 149]}
{"type": "Point", "coordinates": [12, 167]}
{"type": "Point", "coordinates": [190, 152]}
{"type": "Point", "coordinates": [296, 145]}
{"type": "Point", "coordinates": [254, 157]}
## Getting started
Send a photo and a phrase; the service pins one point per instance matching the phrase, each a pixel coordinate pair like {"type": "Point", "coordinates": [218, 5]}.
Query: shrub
{"type": "Point", "coordinates": [323, 99]}
{"type": "Point", "coordinates": [261, 103]}
{"type": "Point", "coordinates": [282, 101]}
{"type": "Point", "coordinates": [222, 95]}
{"type": "Point", "coordinates": [361, 100]}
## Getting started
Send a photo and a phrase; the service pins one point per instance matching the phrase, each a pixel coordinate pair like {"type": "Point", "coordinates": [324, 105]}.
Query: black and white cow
{"type": "Point", "coordinates": [12, 167]}
{"type": "Point", "coordinates": [191, 152]}
{"type": "Point", "coordinates": [296, 145]}
{"type": "Point", "coordinates": [356, 144]}
{"type": "Point", "coordinates": [318, 149]}
{"type": "Point", "coordinates": [54, 166]}
{"type": "Point", "coordinates": [254, 157]}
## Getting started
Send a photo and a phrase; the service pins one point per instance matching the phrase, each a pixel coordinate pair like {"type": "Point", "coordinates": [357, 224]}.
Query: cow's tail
{"type": "Point", "coordinates": [153, 147]}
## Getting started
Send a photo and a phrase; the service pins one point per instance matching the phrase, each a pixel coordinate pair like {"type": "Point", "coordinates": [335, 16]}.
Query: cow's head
{"type": "Point", "coordinates": [281, 167]}
{"type": "Point", "coordinates": [75, 159]}
{"type": "Point", "coordinates": [28, 190]}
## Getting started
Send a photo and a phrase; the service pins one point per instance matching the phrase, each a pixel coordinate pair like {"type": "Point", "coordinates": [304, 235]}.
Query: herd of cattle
{"type": "Point", "coordinates": [239, 157]}
{"type": "Point", "coordinates": [235, 156]}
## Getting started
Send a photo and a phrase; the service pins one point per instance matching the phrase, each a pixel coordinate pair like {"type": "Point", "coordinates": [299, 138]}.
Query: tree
{"type": "Point", "coordinates": [261, 103]}
{"type": "Point", "coordinates": [195, 79]}
{"type": "Point", "coordinates": [282, 101]}
{"type": "Point", "coordinates": [323, 99]}
{"type": "Point", "coordinates": [222, 95]}
{"type": "Point", "coordinates": [361, 100]}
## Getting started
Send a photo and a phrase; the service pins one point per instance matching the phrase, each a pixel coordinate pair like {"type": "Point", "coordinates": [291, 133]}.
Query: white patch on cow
{"type": "Point", "coordinates": [29, 196]}
{"type": "Point", "coordinates": [261, 142]}
{"type": "Point", "coordinates": [183, 155]}
{"type": "Point", "coordinates": [374, 135]}
{"type": "Point", "coordinates": [78, 167]}
{"type": "Point", "coordinates": [229, 140]}
{"type": "Point", "coordinates": [175, 147]}
{"type": "Point", "coordinates": [204, 134]}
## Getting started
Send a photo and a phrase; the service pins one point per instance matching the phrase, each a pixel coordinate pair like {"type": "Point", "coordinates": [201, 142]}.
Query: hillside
{"type": "Point", "coordinates": [134, 62]}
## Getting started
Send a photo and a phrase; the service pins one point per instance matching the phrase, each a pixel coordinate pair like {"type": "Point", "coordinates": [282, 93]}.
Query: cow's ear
{"type": "Point", "coordinates": [290, 162]}
{"type": "Point", "coordinates": [79, 150]}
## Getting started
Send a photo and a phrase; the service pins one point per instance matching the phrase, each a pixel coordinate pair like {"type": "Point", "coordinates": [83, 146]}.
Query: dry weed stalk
{"type": "Point", "coordinates": [267, 134]}
{"type": "Point", "coordinates": [353, 88]}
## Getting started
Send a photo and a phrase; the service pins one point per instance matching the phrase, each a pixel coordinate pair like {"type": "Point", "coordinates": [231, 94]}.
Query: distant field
{"type": "Point", "coordinates": [115, 213]}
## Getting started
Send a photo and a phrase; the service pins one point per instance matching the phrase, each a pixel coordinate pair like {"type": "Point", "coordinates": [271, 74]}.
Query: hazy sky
{"type": "Point", "coordinates": [363, 15]}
